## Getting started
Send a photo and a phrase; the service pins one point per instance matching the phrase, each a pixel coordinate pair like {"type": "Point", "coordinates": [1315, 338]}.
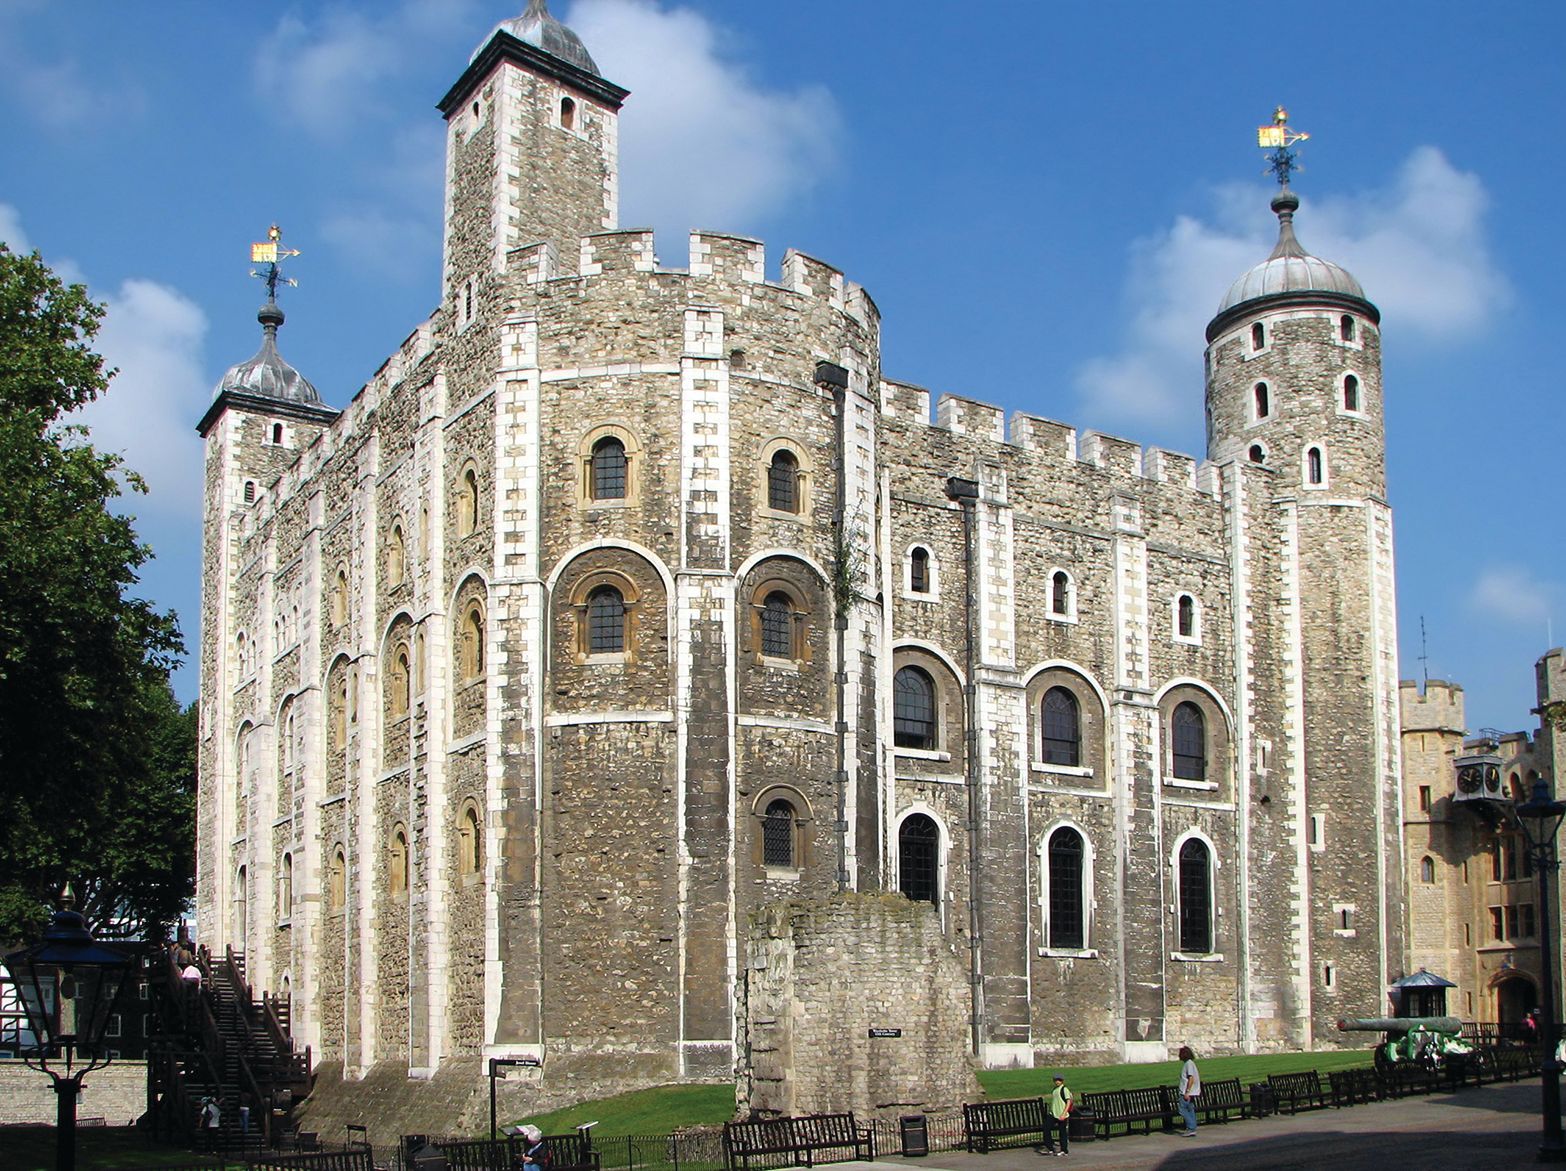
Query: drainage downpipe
{"type": "Point", "coordinates": [966, 494]}
{"type": "Point", "coordinates": [830, 376]}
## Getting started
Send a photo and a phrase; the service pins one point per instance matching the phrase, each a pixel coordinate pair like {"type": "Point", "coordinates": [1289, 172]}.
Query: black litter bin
{"type": "Point", "coordinates": [1262, 1101]}
{"type": "Point", "coordinates": [1084, 1126]}
{"type": "Point", "coordinates": [916, 1135]}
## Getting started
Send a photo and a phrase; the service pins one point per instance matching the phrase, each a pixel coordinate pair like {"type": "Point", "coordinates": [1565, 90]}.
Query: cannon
{"type": "Point", "coordinates": [1430, 1041]}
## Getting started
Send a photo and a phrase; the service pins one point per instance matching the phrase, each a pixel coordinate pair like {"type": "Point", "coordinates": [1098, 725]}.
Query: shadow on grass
{"type": "Point", "coordinates": [98, 1148]}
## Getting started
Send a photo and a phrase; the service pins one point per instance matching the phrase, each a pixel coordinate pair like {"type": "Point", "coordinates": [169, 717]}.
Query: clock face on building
{"type": "Point", "coordinates": [1492, 778]}
{"type": "Point", "coordinates": [1469, 779]}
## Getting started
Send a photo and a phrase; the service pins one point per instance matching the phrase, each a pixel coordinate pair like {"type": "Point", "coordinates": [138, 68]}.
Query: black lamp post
{"type": "Point", "coordinates": [496, 1064]}
{"type": "Point", "coordinates": [69, 987]}
{"type": "Point", "coordinates": [1540, 817]}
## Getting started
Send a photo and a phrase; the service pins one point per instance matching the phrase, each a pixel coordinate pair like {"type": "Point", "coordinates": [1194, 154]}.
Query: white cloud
{"type": "Point", "coordinates": [11, 233]}
{"type": "Point", "coordinates": [1418, 246]}
{"type": "Point", "coordinates": [693, 111]}
{"type": "Point", "coordinates": [57, 91]}
{"type": "Point", "coordinates": [1512, 593]}
{"type": "Point", "coordinates": [327, 74]}
{"type": "Point", "coordinates": [153, 335]}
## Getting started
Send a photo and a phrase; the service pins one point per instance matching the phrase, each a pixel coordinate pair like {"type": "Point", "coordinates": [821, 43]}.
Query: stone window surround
{"type": "Point", "coordinates": [804, 816]}
{"type": "Point", "coordinates": [801, 630]}
{"type": "Point", "coordinates": [1260, 389]}
{"type": "Point", "coordinates": [1069, 614]}
{"type": "Point", "coordinates": [285, 889]}
{"type": "Point", "coordinates": [1090, 715]}
{"type": "Point", "coordinates": [633, 464]}
{"type": "Point", "coordinates": [1088, 952]}
{"type": "Point", "coordinates": [932, 574]}
{"type": "Point", "coordinates": [468, 499]}
{"type": "Point", "coordinates": [943, 847]}
{"type": "Point", "coordinates": [399, 866]}
{"type": "Point", "coordinates": [470, 842]}
{"type": "Point", "coordinates": [1195, 637]}
{"type": "Point", "coordinates": [337, 880]}
{"type": "Point", "coordinates": [396, 559]}
{"type": "Point", "coordinates": [629, 594]}
{"type": "Point", "coordinates": [948, 702]}
{"type": "Point", "coordinates": [1214, 912]}
{"type": "Point", "coordinates": [1345, 411]}
{"type": "Point", "coordinates": [1219, 735]}
{"type": "Point", "coordinates": [1320, 446]}
{"type": "Point", "coordinates": [804, 471]}
{"type": "Point", "coordinates": [340, 598]}
{"type": "Point", "coordinates": [399, 682]}
{"type": "Point", "coordinates": [472, 642]}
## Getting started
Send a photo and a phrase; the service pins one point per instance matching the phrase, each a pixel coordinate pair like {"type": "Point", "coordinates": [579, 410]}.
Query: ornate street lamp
{"type": "Point", "coordinates": [1540, 817]}
{"type": "Point", "coordinates": [69, 987]}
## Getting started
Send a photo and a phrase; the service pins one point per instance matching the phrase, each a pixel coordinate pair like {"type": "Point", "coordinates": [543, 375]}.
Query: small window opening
{"type": "Point", "coordinates": [250, 491]}
{"type": "Point", "coordinates": [777, 834]}
{"type": "Point", "coordinates": [475, 109]}
{"type": "Point", "coordinates": [777, 626]}
{"type": "Point", "coordinates": [783, 482]}
{"type": "Point", "coordinates": [919, 571]}
{"type": "Point", "coordinates": [1258, 454]}
{"type": "Point", "coordinates": [567, 114]}
{"type": "Point", "coordinates": [1328, 976]}
{"type": "Point", "coordinates": [1350, 393]}
{"type": "Point", "coordinates": [1186, 616]}
{"type": "Point", "coordinates": [277, 433]}
{"type": "Point", "coordinates": [1258, 336]}
{"type": "Point", "coordinates": [1346, 328]}
{"type": "Point", "coordinates": [1060, 593]}
{"type": "Point", "coordinates": [609, 469]}
{"type": "Point", "coordinates": [1424, 798]}
{"type": "Point", "coordinates": [605, 621]}
{"type": "Point", "coordinates": [1261, 400]}
{"type": "Point", "coordinates": [1313, 469]}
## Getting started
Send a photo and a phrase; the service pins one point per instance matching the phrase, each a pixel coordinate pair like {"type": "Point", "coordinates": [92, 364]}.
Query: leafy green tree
{"type": "Point", "coordinates": [96, 779]}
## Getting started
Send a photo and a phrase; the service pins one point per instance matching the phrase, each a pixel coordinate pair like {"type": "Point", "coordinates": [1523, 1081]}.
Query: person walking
{"type": "Point", "coordinates": [1060, 1106]}
{"type": "Point", "coordinates": [1190, 1089]}
{"type": "Point", "coordinates": [211, 1123]}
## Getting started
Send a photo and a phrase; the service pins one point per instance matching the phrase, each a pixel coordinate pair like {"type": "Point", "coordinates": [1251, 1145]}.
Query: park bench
{"type": "Point", "coordinates": [799, 1138]}
{"type": "Point", "coordinates": [984, 1122]}
{"type": "Point", "coordinates": [360, 1159]}
{"type": "Point", "coordinates": [1353, 1087]}
{"type": "Point", "coordinates": [1220, 1101]}
{"type": "Point", "coordinates": [1290, 1090]}
{"type": "Point", "coordinates": [1127, 1108]}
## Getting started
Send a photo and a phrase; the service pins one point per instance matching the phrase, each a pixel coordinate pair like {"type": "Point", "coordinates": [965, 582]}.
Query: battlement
{"type": "Point", "coordinates": [728, 257]}
{"type": "Point", "coordinates": [624, 250]}
{"type": "Point", "coordinates": [1437, 706]}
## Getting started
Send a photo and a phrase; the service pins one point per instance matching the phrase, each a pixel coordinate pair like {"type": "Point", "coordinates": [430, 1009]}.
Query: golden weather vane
{"type": "Point", "coordinates": [271, 253]}
{"type": "Point", "coordinates": [1277, 139]}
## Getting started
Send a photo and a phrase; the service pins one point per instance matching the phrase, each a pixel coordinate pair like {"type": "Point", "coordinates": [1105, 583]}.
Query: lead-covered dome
{"type": "Point", "coordinates": [1290, 269]}
{"type": "Point", "coordinates": [537, 27]}
{"type": "Point", "coordinates": [267, 375]}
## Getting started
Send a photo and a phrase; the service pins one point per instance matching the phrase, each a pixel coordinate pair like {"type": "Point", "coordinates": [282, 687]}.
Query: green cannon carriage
{"type": "Point", "coordinates": [1430, 1041]}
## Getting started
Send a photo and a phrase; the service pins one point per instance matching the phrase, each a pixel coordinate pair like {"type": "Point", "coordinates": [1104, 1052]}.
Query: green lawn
{"type": "Point", "coordinates": [668, 1108]}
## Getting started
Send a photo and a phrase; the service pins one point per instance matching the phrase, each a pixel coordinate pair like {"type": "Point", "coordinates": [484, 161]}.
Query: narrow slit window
{"type": "Point", "coordinates": [1066, 918]}
{"type": "Point", "coordinates": [1185, 616]}
{"type": "Point", "coordinates": [567, 114]}
{"type": "Point", "coordinates": [1195, 887]}
{"type": "Point", "coordinates": [1258, 336]}
{"type": "Point", "coordinates": [1262, 403]}
{"type": "Point", "coordinates": [1314, 466]}
{"type": "Point", "coordinates": [1350, 393]}
{"type": "Point", "coordinates": [1346, 328]}
{"type": "Point", "coordinates": [919, 570]}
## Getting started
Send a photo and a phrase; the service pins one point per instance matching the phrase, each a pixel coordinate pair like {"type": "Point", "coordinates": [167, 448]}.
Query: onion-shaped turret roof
{"type": "Point", "coordinates": [1290, 269]}
{"type": "Point", "coordinates": [267, 375]}
{"type": "Point", "coordinates": [537, 27]}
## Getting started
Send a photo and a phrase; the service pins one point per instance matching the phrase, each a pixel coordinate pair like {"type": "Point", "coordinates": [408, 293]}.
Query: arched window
{"type": "Point", "coordinates": [1060, 598]}
{"type": "Point", "coordinates": [919, 570]}
{"type": "Point", "coordinates": [1313, 465]}
{"type": "Point", "coordinates": [285, 888]}
{"type": "Point", "coordinates": [608, 473]}
{"type": "Point", "coordinates": [567, 114]}
{"type": "Point", "coordinates": [397, 683]}
{"type": "Point", "coordinates": [277, 433]}
{"type": "Point", "coordinates": [1185, 616]}
{"type": "Point", "coordinates": [919, 859]}
{"type": "Point", "coordinates": [1427, 869]}
{"type": "Point", "coordinates": [340, 597]}
{"type": "Point", "coordinates": [783, 482]}
{"type": "Point", "coordinates": [337, 878]}
{"type": "Point", "coordinates": [397, 862]}
{"type": "Point", "coordinates": [241, 907]}
{"type": "Point", "coordinates": [467, 502]}
{"type": "Point", "coordinates": [1067, 917]}
{"type": "Point", "coordinates": [1258, 454]}
{"type": "Point", "coordinates": [1196, 895]}
{"type": "Point", "coordinates": [340, 711]}
{"type": "Point", "coordinates": [396, 556]}
{"type": "Point", "coordinates": [1350, 393]}
{"type": "Point", "coordinates": [1346, 328]}
{"type": "Point", "coordinates": [1262, 403]}
{"type": "Point", "coordinates": [471, 642]}
{"type": "Point", "coordinates": [470, 842]}
{"type": "Point", "coordinates": [1062, 722]}
{"type": "Point", "coordinates": [1258, 336]}
{"type": "Point", "coordinates": [1190, 743]}
{"type": "Point", "coordinates": [777, 834]}
{"type": "Point", "coordinates": [242, 654]}
{"type": "Point", "coordinates": [913, 709]}
{"type": "Point", "coordinates": [777, 626]}
{"type": "Point", "coordinates": [250, 491]}
{"type": "Point", "coordinates": [605, 621]}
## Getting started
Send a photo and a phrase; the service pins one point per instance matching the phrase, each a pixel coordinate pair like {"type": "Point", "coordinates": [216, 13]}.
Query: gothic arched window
{"type": "Point", "coordinates": [919, 859]}
{"type": "Point", "coordinates": [1190, 743]}
{"type": "Point", "coordinates": [337, 879]}
{"type": "Point", "coordinates": [913, 709]}
{"type": "Point", "coordinates": [1427, 869]}
{"type": "Point", "coordinates": [1196, 897]}
{"type": "Point", "coordinates": [1067, 915]}
{"type": "Point", "coordinates": [1061, 717]}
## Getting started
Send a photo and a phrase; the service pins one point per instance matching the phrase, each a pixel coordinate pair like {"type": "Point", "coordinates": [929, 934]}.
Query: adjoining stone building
{"type": "Point", "coordinates": [625, 601]}
{"type": "Point", "coordinates": [1474, 915]}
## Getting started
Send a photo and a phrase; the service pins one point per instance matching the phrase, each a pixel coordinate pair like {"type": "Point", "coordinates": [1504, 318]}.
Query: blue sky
{"type": "Point", "coordinates": [1047, 201]}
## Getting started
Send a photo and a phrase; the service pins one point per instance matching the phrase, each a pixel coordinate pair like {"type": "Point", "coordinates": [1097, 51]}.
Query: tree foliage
{"type": "Point", "coordinates": [96, 759]}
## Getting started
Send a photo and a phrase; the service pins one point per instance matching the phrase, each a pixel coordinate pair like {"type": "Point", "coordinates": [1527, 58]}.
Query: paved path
{"type": "Point", "coordinates": [1496, 1126]}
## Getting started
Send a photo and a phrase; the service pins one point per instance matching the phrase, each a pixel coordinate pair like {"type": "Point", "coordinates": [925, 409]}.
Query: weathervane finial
{"type": "Point", "coordinates": [271, 254]}
{"type": "Point", "coordinates": [1277, 139]}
